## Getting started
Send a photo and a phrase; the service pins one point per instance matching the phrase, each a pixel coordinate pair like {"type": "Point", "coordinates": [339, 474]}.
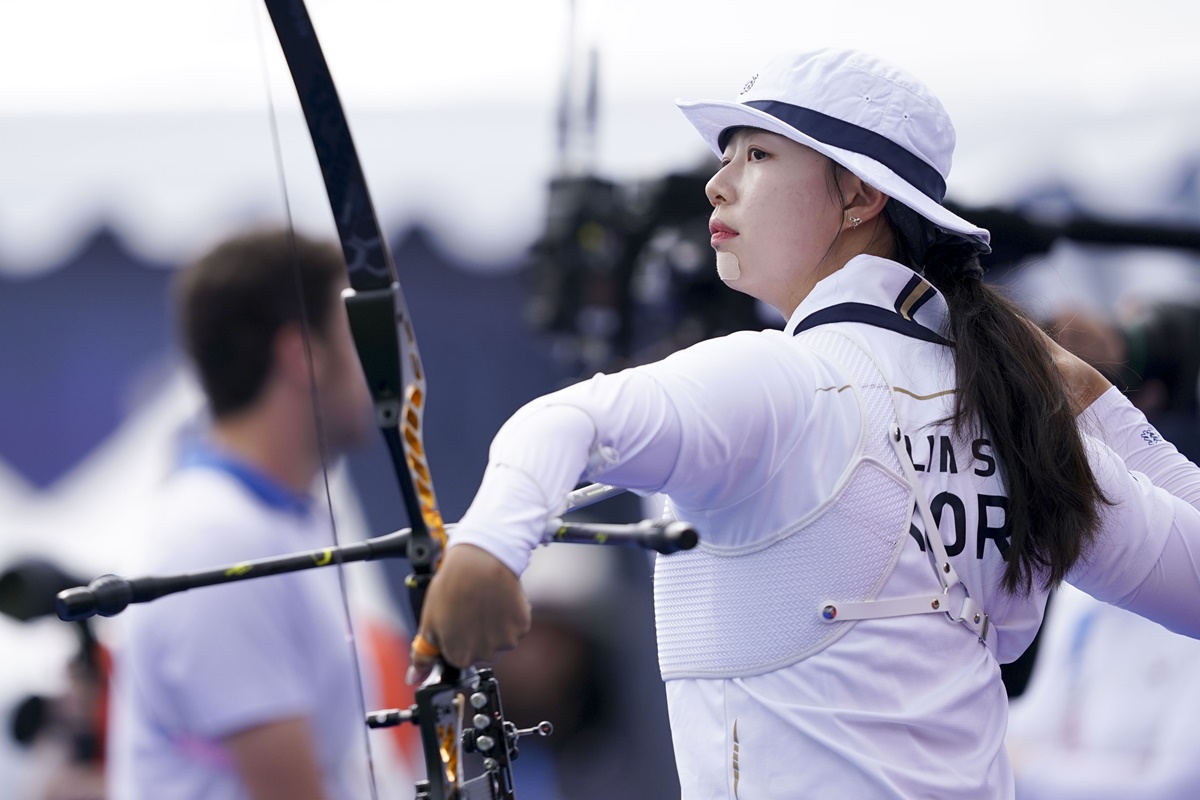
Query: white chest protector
{"type": "Point", "coordinates": [726, 612]}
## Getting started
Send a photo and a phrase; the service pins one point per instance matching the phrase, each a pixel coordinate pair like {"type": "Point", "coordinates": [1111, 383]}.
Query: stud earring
{"type": "Point", "coordinates": [855, 222]}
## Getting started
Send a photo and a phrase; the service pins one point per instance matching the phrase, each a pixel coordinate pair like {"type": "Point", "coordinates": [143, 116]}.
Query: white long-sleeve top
{"type": "Point", "coordinates": [748, 435]}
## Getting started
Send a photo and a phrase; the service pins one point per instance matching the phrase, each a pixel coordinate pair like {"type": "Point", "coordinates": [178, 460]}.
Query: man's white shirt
{"type": "Point", "coordinates": [193, 668]}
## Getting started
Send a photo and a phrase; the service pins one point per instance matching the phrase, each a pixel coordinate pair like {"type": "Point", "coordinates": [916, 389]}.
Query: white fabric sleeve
{"type": "Point", "coordinates": [1163, 485]}
{"type": "Point", "coordinates": [1147, 561]}
{"type": "Point", "coordinates": [1170, 592]}
{"type": "Point", "coordinates": [745, 401]}
{"type": "Point", "coordinates": [1125, 429]}
{"type": "Point", "coordinates": [1146, 557]}
{"type": "Point", "coordinates": [621, 428]}
{"type": "Point", "coordinates": [727, 412]}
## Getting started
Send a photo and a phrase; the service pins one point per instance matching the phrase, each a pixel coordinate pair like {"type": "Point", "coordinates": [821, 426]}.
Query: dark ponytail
{"type": "Point", "coordinates": [1010, 392]}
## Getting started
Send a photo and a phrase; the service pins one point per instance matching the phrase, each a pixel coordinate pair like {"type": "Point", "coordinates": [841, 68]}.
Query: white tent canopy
{"type": "Point", "coordinates": [154, 117]}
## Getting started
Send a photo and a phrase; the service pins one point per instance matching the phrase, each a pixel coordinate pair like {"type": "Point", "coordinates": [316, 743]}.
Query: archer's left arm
{"type": "Point", "coordinates": [621, 427]}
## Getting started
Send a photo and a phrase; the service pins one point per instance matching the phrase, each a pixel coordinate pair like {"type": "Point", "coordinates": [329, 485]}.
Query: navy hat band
{"type": "Point", "coordinates": [848, 136]}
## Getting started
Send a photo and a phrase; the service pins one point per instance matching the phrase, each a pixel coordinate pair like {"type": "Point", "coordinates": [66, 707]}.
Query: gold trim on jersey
{"type": "Point", "coordinates": [913, 296]}
{"type": "Point", "coordinates": [901, 389]}
{"type": "Point", "coordinates": [737, 774]}
{"type": "Point", "coordinates": [916, 396]}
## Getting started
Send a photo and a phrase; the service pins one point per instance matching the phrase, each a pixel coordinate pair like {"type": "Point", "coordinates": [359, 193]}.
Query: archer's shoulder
{"type": "Point", "coordinates": [750, 364]}
{"type": "Point", "coordinates": [745, 349]}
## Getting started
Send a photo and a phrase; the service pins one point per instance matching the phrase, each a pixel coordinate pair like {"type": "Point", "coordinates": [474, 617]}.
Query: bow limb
{"type": "Point", "coordinates": [387, 347]}
{"type": "Point", "coordinates": [379, 318]}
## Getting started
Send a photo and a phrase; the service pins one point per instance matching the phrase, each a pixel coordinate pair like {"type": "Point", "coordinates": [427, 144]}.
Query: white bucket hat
{"type": "Point", "coordinates": [875, 120]}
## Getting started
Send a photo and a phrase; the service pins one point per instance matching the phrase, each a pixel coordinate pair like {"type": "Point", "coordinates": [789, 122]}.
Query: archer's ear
{"type": "Point", "coordinates": [862, 199]}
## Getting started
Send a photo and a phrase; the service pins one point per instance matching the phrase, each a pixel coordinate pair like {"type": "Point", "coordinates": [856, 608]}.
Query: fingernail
{"type": "Point", "coordinates": [410, 677]}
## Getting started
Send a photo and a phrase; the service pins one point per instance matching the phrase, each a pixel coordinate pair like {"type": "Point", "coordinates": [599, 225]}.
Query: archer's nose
{"type": "Point", "coordinates": [718, 189]}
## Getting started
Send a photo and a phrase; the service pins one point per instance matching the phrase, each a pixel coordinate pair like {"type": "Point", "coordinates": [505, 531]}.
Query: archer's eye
{"type": "Point", "coordinates": [756, 154]}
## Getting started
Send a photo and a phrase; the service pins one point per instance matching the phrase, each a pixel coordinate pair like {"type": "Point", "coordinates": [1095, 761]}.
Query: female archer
{"type": "Point", "coordinates": [886, 489]}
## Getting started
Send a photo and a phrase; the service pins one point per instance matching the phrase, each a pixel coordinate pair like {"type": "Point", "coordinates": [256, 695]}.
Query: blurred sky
{"type": "Point", "coordinates": [103, 104]}
{"type": "Point", "coordinates": [149, 54]}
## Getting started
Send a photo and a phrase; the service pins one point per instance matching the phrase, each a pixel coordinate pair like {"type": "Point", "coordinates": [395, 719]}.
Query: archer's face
{"type": "Point", "coordinates": [773, 209]}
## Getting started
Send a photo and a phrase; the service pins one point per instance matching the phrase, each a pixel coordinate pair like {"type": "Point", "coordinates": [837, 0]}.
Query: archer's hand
{"type": "Point", "coordinates": [475, 607]}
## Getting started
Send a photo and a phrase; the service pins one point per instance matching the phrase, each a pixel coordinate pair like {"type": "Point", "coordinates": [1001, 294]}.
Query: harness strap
{"type": "Point", "coordinates": [954, 601]}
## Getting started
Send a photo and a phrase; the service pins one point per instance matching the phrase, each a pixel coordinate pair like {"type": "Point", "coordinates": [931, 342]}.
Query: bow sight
{"type": "Point", "coordinates": [448, 701]}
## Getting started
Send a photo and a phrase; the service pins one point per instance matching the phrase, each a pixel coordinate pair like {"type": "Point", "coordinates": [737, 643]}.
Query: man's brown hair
{"type": "Point", "coordinates": [232, 302]}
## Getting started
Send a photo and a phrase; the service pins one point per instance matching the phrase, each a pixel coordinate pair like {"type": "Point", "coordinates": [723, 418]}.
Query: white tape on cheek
{"type": "Point", "coordinates": [728, 268]}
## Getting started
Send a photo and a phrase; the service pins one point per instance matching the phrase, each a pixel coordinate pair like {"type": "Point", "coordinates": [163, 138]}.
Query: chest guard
{"type": "Point", "coordinates": [738, 611]}
{"type": "Point", "coordinates": [741, 611]}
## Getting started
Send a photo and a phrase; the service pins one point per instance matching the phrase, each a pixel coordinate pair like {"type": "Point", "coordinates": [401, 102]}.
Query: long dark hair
{"type": "Point", "coordinates": [1009, 390]}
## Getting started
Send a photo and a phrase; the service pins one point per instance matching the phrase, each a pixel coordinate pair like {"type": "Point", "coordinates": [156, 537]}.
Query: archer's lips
{"type": "Point", "coordinates": [720, 232]}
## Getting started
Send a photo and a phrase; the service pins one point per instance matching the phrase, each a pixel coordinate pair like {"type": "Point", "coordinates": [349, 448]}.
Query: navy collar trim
{"type": "Point", "coordinates": [269, 491]}
{"type": "Point", "coordinates": [870, 315]}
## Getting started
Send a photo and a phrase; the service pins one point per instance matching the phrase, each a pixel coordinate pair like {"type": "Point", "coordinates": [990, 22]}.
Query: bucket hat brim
{"type": "Point", "coordinates": [712, 118]}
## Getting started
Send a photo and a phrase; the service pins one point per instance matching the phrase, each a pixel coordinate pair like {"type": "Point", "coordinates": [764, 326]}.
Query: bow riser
{"type": "Point", "coordinates": [383, 337]}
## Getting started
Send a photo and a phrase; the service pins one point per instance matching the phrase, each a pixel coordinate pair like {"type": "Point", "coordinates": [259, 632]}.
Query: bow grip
{"type": "Point", "coordinates": [375, 319]}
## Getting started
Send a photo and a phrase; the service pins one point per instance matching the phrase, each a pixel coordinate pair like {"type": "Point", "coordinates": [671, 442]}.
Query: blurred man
{"type": "Point", "coordinates": [249, 690]}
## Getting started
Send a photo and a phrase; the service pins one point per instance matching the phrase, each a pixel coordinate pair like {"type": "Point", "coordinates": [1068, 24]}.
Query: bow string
{"type": "Point", "coordinates": [383, 335]}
